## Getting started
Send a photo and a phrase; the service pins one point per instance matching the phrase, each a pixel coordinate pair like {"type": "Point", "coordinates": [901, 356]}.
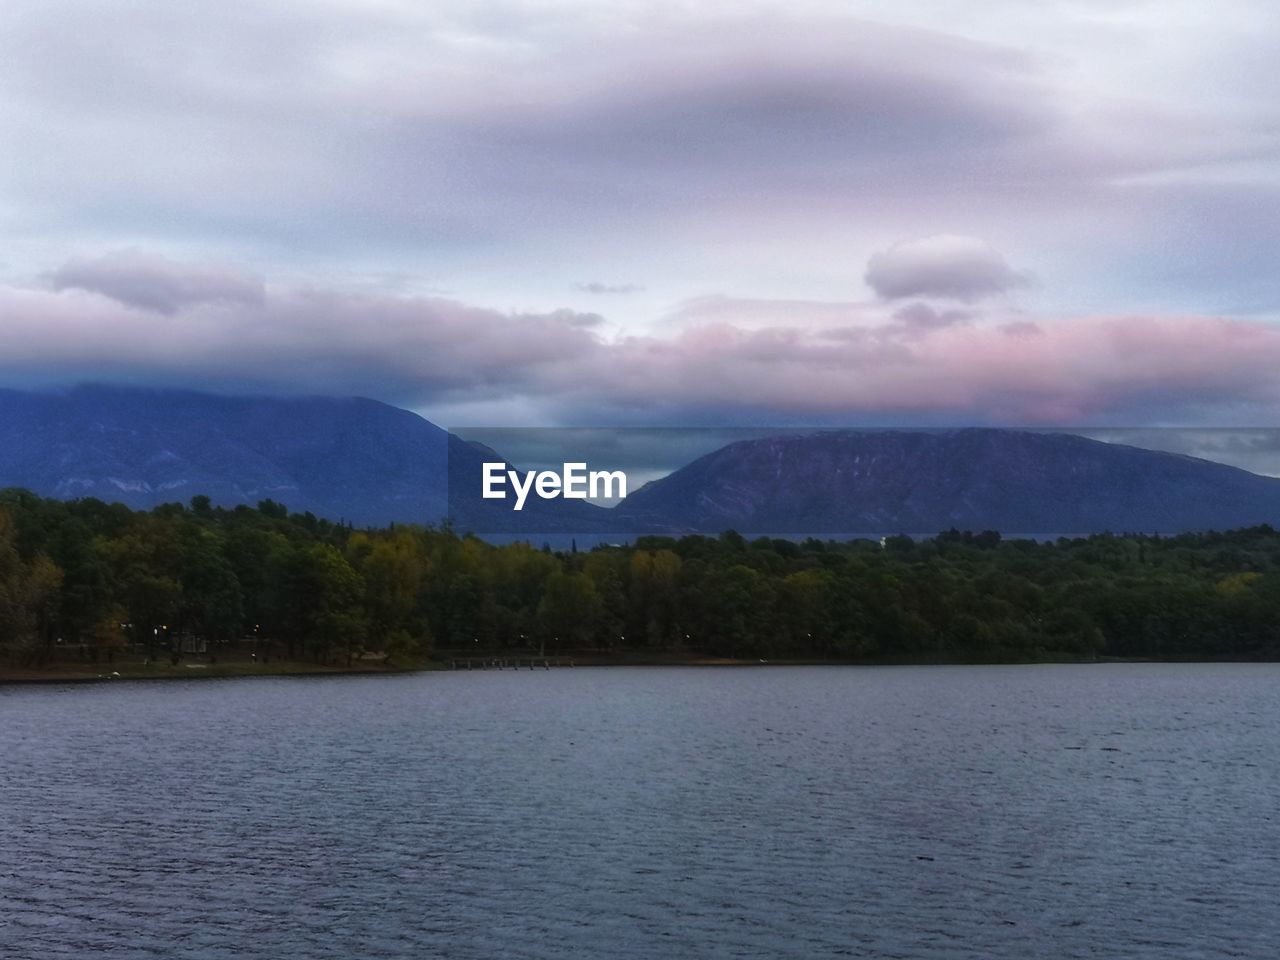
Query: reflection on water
{"type": "Point", "coordinates": [1008, 812]}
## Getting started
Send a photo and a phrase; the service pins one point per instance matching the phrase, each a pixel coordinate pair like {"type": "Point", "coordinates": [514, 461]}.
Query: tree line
{"type": "Point", "coordinates": [101, 579]}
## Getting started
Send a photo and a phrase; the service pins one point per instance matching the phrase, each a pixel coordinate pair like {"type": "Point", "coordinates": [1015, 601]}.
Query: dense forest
{"type": "Point", "coordinates": [95, 580]}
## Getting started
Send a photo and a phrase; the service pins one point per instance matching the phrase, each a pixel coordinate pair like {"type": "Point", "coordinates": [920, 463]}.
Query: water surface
{"type": "Point", "coordinates": [994, 812]}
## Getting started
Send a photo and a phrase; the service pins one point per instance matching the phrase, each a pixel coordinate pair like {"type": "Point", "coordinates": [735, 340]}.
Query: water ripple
{"type": "Point", "coordinates": [984, 812]}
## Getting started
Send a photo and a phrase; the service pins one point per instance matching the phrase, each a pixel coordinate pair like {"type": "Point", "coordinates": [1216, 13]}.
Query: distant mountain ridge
{"type": "Point", "coordinates": [349, 458]}
{"type": "Point", "coordinates": [344, 458]}
{"type": "Point", "coordinates": [371, 464]}
{"type": "Point", "coordinates": [925, 481]}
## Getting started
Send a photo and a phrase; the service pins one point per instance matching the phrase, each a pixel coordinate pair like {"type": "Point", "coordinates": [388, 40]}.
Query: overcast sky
{"type": "Point", "coordinates": [591, 213]}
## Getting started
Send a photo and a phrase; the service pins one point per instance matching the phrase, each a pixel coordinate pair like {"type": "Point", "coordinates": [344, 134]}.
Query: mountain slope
{"type": "Point", "coordinates": [351, 458]}
{"type": "Point", "coordinates": [876, 482]}
{"type": "Point", "coordinates": [373, 464]}
{"type": "Point", "coordinates": [342, 458]}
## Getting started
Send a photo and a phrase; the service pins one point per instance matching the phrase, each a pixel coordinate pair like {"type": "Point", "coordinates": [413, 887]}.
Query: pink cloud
{"type": "Point", "coordinates": [789, 361]}
{"type": "Point", "coordinates": [1050, 372]}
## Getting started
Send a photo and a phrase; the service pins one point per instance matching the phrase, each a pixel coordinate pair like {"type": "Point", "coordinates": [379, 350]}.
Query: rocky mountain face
{"type": "Point", "coordinates": [878, 482]}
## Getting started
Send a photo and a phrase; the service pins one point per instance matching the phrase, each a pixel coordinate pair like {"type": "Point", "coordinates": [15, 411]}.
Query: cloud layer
{"type": "Point", "coordinates": [514, 148]}
{"type": "Point", "coordinates": [157, 283]}
{"type": "Point", "coordinates": [288, 187]}
{"type": "Point", "coordinates": [726, 362]}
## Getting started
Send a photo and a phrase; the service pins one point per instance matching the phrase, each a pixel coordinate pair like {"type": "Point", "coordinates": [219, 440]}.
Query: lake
{"type": "Point", "coordinates": [1112, 810]}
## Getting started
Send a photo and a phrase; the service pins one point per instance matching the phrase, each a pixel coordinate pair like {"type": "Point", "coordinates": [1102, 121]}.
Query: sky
{"type": "Point", "coordinates": [617, 213]}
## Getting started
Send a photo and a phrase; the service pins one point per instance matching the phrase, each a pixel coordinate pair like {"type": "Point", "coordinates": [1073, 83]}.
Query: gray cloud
{"type": "Point", "coordinates": [595, 286]}
{"type": "Point", "coordinates": [757, 147]}
{"type": "Point", "coordinates": [151, 282]}
{"type": "Point", "coordinates": [945, 266]}
{"type": "Point", "coordinates": [314, 340]}
{"type": "Point", "coordinates": [576, 318]}
{"type": "Point", "coordinates": [349, 124]}
{"type": "Point", "coordinates": [922, 316]}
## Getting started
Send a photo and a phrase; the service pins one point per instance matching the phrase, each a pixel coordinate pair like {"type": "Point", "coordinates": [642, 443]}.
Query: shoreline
{"type": "Point", "coordinates": [235, 670]}
{"type": "Point", "coordinates": [195, 671]}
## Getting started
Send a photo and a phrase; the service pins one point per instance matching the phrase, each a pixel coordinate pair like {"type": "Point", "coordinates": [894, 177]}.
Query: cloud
{"type": "Point", "coordinates": [757, 312]}
{"type": "Point", "coordinates": [575, 318]}
{"type": "Point", "coordinates": [1022, 329]}
{"type": "Point", "coordinates": [344, 124]}
{"type": "Point", "coordinates": [313, 340]}
{"type": "Point", "coordinates": [513, 148]}
{"type": "Point", "coordinates": [945, 266]}
{"type": "Point", "coordinates": [922, 316]}
{"type": "Point", "coordinates": [776, 364]}
{"type": "Point", "coordinates": [608, 288]}
{"type": "Point", "coordinates": [1083, 370]}
{"type": "Point", "coordinates": [151, 282]}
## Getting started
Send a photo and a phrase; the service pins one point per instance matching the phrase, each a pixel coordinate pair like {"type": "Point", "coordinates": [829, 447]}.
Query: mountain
{"type": "Point", "coordinates": [343, 458]}
{"type": "Point", "coordinates": [373, 464]}
{"type": "Point", "coordinates": [883, 482]}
